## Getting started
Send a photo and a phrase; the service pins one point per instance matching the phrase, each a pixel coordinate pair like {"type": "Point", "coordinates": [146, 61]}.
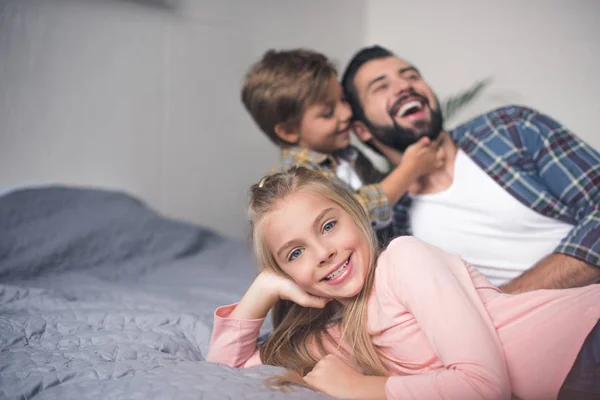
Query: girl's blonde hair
{"type": "Point", "coordinates": [297, 330]}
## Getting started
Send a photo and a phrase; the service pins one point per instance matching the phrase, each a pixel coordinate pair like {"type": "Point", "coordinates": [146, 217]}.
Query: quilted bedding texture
{"type": "Point", "coordinates": [102, 298]}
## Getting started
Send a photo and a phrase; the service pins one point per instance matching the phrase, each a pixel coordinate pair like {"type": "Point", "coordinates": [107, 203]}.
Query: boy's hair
{"type": "Point", "coordinates": [279, 88]}
{"type": "Point", "coordinates": [361, 57]}
{"type": "Point", "coordinates": [297, 327]}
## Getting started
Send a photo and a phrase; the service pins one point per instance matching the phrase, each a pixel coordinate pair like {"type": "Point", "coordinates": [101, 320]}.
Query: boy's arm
{"type": "Point", "coordinates": [380, 195]}
{"type": "Point", "coordinates": [375, 202]}
{"type": "Point", "coordinates": [373, 196]}
{"type": "Point", "coordinates": [400, 223]}
{"type": "Point", "coordinates": [396, 184]}
{"type": "Point", "coordinates": [420, 158]}
{"type": "Point", "coordinates": [377, 199]}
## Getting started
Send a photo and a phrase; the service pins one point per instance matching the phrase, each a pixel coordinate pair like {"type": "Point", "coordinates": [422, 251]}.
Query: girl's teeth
{"type": "Point", "coordinates": [337, 271]}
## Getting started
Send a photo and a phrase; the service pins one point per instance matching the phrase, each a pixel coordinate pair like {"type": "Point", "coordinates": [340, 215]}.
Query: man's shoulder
{"type": "Point", "coordinates": [497, 121]}
{"type": "Point", "coordinates": [504, 114]}
{"type": "Point", "coordinates": [513, 110]}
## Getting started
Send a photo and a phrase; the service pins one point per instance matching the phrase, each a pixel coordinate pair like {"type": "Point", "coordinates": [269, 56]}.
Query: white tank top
{"type": "Point", "coordinates": [479, 220]}
{"type": "Point", "coordinates": [346, 173]}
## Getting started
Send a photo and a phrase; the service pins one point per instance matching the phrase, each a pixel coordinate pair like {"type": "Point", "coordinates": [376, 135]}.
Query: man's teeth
{"type": "Point", "coordinates": [408, 106]}
{"type": "Point", "coordinates": [337, 271]}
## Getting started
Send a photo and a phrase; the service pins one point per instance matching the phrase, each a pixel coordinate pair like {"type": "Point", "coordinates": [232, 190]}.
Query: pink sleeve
{"type": "Point", "coordinates": [233, 341]}
{"type": "Point", "coordinates": [437, 290]}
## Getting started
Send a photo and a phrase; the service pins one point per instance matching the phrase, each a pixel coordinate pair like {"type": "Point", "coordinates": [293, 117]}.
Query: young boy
{"type": "Point", "coordinates": [296, 100]}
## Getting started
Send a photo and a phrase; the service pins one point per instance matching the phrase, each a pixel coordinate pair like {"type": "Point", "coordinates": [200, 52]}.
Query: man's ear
{"type": "Point", "coordinates": [361, 131]}
{"type": "Point", "coordinates": [287, 134]}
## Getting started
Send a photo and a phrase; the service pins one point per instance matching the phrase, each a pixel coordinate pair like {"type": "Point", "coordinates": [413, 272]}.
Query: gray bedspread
{"type": "Point", "coordinates": [102, 298]}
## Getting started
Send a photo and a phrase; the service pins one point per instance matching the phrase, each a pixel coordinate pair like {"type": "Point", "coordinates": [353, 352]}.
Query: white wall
{"type": "Point", "coordinates": [541, 53]}
{"type": "Point", "coordinates": [124, 94]}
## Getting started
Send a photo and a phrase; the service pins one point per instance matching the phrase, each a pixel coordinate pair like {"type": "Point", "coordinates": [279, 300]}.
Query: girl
{"type": "Point", "coordinates": [412, 322]}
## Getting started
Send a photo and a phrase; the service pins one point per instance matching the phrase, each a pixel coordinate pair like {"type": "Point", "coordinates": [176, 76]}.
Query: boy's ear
{"type": "Point", "coordinates": [287, 134]}
{"type": "Point", "coordinates": [361, 131]}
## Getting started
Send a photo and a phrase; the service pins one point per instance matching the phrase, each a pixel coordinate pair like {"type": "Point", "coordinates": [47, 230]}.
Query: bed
{"type": "Point", "coordinates": [103, 298]}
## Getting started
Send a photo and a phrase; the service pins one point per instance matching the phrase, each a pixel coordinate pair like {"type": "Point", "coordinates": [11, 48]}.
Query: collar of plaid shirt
{"type": "Point", "coordinates": [295, 155]}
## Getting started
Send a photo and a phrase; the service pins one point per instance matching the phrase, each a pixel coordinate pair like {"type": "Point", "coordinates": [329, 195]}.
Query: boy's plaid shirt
{"type": "Point", "coordinates": [542, 164]}
{"type": "Point", "coordinates": [370, 196]}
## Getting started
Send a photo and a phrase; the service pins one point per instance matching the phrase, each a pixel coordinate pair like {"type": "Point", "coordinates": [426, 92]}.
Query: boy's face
{"type": "Point", "coordinates": [325, 127]}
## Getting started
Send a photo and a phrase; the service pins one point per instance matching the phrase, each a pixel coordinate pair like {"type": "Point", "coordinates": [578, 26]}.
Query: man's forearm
{"type": "Point", "coordinates": [557, 271]}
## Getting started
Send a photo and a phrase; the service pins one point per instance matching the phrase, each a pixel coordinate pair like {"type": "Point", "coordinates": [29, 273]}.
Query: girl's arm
{"type": "Point", "coordinates": [233, 341]}
{"type": "Point", "coordinates": [437, 289]}
{"type": "Point", "coordinates": [236, 327]}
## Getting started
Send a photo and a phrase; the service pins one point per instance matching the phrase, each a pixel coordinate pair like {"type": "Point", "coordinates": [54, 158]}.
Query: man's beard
{"type": "Point", "coordinates": [399, 138]}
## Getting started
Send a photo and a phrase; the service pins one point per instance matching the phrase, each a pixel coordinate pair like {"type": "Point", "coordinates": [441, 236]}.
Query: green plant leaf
{"type": "Point", "coordinates": [455, 103]}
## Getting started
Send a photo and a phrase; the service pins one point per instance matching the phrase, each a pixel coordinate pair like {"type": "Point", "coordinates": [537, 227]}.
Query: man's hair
{"type": "Point", "coordinates": [279, 88]}
{"type": "Point", "coordinates": [362, 57]}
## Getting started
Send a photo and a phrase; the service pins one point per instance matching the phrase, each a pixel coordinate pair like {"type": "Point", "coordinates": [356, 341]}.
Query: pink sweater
{"type": "Point", "coordinates": [449, 333]}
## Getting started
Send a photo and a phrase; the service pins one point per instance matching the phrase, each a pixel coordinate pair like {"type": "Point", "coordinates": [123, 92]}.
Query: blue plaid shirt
{"type": "Point", "coordinates": [543, 165]}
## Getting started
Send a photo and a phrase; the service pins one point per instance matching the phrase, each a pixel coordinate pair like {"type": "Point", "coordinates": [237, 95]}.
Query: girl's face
{"type": "Point", "coordinates": [318, 245]}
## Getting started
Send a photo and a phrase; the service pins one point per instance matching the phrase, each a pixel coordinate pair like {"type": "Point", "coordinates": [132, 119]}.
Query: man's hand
{"type": "Point", "coordinates": [335, 378]}
{"type": "Point", "coordinates": [557, 271]}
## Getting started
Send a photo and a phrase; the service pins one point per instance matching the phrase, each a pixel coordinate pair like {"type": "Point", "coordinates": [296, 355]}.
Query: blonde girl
{"type": "Point", "coordinates": [410, 322]}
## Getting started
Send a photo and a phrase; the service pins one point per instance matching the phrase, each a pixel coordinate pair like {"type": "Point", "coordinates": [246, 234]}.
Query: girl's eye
{"type": "Point", "coordinates": [294, 254]}
{"type": "Point", "coordinates": [329, 226]}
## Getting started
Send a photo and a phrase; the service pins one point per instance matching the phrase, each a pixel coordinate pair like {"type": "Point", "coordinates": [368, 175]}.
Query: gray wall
{"type": "Point", "coordinates": [143, 95]}
{"type": "Point", "coordinates": [124, 94]}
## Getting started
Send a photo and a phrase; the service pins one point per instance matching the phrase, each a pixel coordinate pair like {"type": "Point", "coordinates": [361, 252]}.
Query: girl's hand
{"type": "Point", "coordinates": [266, 290]}
{"type": "Point", "coordinates": [287, 289]}
{"type": "Point", "coordinates": [335, 378]}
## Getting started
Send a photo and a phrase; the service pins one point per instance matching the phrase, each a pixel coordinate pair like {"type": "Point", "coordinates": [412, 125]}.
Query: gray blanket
{"type": "Point", "coordinates": [102, 298]}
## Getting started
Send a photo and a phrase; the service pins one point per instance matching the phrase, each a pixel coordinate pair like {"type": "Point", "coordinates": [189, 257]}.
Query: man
{"type": "Point", "coordinates": [518, 195]}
